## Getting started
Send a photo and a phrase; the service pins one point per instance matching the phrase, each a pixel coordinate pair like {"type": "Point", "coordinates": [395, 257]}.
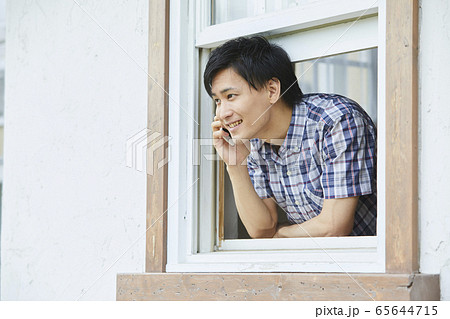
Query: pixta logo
{"type": "Point", "coordinates": [146, 147]}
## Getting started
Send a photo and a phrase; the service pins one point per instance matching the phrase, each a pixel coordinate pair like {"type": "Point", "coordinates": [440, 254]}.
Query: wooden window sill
{"type": "Point", "coordinates": [277, 286]}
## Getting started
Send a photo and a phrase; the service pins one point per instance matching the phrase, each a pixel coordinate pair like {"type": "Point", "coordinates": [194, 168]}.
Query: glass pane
{"type": "Point", "coordinates": [353, 75]}
{"type": "Point", "coordinates": [229, 10]}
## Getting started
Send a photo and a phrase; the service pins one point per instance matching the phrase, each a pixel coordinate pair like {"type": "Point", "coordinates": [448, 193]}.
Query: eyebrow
{"type": "Point", "coordinates": [225, 90]}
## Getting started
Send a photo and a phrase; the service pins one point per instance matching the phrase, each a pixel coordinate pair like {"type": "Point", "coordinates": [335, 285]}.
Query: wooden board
{"type": "Point", "coordinates": [277, 286]}
{"type": "Point", "coordinates": [156, 252]}
{"type": "Point", "coordinates": [401, 137]}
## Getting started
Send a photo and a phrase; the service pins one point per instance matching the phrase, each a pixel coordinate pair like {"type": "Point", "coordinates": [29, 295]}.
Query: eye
{"type": "Point", "coordinates": [231, 95]}
{"type": "Point", "coordinates": [217, 101]}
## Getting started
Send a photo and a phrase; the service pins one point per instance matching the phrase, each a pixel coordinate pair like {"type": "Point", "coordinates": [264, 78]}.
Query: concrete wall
{"type": "Point", "coordinates": [71, 206]}
{"type": "Point", "coordinates": [434, 140]}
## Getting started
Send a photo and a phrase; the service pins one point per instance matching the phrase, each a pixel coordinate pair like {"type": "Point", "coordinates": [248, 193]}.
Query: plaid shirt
{"type": "Point", "coordinates": [329, 152]}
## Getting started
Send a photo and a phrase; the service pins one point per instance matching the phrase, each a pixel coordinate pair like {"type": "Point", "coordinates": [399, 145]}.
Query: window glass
{"type": "Point", "coordinates": [353, 75]}
{"type": "Point", "coordinates": [229, 10]}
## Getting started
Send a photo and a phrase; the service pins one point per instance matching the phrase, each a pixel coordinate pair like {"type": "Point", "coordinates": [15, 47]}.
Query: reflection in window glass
{"type": "Point", "coordinates": [229, 10]}
{"type": "Point", "coordinates": [353, 75]}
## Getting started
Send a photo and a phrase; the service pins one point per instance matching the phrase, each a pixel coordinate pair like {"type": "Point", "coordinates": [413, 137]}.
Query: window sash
{"type": "Point", "coordinates": [182, 219]}
{"type": "Point", "coordinates": [306, 244]}
{"type": "Point", "coordinates": [310, 15]}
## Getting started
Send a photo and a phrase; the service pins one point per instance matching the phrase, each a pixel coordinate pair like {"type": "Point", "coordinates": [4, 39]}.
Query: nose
{"type": "Point", "coordinates": [224, 111]}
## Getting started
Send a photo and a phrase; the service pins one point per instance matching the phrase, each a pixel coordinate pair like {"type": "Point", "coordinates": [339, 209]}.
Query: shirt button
{"type": "Point", "coordinates": [288, 173]}
{"type": "Point", "coordinates": [297, 202]}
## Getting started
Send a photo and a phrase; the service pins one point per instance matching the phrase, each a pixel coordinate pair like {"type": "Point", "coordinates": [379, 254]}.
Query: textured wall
{"type": "Point", "coordinates": [434, 140]}
{"type": "Point", "coordinates": [71, 206]}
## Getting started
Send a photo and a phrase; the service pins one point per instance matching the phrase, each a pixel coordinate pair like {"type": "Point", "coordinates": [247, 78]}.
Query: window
{"type": "Point", "coordinates": [341, 35]}
{"type": "Point", "coordinates": [397, 52]}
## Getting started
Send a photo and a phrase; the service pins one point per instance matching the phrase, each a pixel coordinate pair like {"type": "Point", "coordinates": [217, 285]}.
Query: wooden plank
{"type": "Point", "coordinates": [401, 136]}
{"type": "Point", "coordinates": [276, 286]}
{"type": "Point", "coordinates": [426, 288]}
{"type": "Point", "coordinates": [156, 252]}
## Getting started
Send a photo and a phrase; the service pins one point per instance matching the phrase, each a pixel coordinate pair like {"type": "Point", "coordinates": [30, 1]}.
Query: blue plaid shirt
{"type": "Point", "coordinates": [329, 152]}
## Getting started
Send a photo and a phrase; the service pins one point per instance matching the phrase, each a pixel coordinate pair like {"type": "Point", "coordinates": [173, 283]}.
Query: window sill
{"type": "Point", "coordinates": [277, 286]}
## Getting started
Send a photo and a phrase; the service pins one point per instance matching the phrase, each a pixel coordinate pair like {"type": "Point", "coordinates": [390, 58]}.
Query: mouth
{"type": "Point", "coordinates": [233, 126]}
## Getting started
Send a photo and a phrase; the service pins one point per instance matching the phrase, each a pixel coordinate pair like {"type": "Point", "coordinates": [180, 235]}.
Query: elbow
{"type": "Point", "coordinates": [336, 233]}
{"type": "Point", "coordinates": [263, 233]}
{"type": "Point", "coordinates": [333, 231]}
{"type": "Point", "coordinates": [256, 235]}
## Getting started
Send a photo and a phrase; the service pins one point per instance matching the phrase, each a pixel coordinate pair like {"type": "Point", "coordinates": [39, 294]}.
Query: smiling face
{"type": "Point", "coordinates": [244, 111]}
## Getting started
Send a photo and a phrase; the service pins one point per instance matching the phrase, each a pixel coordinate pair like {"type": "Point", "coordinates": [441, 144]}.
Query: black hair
{"type": "Point", "coordinates": [257, 61]}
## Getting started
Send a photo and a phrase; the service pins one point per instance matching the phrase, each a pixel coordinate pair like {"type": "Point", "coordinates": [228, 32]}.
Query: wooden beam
{"type": "Point", "coordinates": [277, 286]}
{"type": "Point", "coordinates": [401, 136]}
{"type": "Point", "coordinates": [156, 252]}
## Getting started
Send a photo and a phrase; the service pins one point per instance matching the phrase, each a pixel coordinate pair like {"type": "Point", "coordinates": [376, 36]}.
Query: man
{"type": "Point", "coordinates": [313, 155]}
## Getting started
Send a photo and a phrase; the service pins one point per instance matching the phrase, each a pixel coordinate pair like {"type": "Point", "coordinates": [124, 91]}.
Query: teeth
{"type": "Point", "coordinates": [235, 123]}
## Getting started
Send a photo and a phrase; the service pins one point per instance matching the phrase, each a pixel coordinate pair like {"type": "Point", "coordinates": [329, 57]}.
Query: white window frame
{"type": "Point", "coordinates": [187, 35]}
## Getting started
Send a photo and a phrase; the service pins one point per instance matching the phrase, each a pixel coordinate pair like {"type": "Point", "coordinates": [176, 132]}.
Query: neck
{"type": "Point", "coordinates": [280, 120]}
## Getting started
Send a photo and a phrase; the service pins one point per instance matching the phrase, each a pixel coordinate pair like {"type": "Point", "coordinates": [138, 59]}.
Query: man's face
{"type": "Point", "coordinates": [239, 106]}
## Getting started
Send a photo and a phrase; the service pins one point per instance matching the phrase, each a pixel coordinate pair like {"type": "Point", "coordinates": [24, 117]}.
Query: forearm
{"type": "Point", "coordinates": [253, 212]}
{"type": "Point", "coordinates": [314, 227]}
{"type": "Point", "coordinates": [336, 219]}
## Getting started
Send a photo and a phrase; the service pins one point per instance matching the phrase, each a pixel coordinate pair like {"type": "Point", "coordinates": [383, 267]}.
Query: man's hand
{"type": "Point", "coordinates": [231, 155]}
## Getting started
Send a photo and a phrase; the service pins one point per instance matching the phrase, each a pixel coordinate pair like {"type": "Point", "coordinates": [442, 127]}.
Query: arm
{"type": "Point", "coordinates": [259, 216]}
{"type": "Point", "coordinates": [349, 152]}
{"type": "Point", "coordinates": [335, 219]}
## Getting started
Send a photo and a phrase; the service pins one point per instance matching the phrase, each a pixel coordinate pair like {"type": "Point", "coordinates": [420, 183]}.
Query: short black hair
{"type": "Point", "coordinates": [257, 61]}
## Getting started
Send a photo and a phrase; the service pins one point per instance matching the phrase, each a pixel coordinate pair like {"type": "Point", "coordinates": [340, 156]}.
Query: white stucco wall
{"type": "Point", "coordinates": [434, 140]}
{"type": "Point", "coordinates": [71, 206]}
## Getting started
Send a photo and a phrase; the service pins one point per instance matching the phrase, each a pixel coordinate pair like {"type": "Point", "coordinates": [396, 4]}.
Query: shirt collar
{"type": "Point", "coordinates": [291, 142]}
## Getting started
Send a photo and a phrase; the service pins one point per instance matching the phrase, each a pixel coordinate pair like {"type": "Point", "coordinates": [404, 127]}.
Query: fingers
{"type": "Point", "coordinates": [216, 124]}
{"type": "Point", "coordinates": [219, 133]}
{"type": "Point", "coordinates": [217, 127]}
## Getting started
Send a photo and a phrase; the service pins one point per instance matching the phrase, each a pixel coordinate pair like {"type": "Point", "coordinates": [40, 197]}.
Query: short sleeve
{"type": "Point", "coordinates": [349, 157]}
{"type": "Point", "coordinates": [260, 177]}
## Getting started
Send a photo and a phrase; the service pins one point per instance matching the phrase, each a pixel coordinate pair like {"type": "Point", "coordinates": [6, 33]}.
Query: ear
{"type": "Point", "coordinates": [273, 87]}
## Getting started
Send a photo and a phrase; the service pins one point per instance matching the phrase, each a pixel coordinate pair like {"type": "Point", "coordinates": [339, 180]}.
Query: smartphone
{"type": "Point", "coordinates": [228, 138]}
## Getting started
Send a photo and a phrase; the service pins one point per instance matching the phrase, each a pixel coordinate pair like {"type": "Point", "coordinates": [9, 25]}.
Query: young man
{"type": "Point", "coordinates": [313, 155]}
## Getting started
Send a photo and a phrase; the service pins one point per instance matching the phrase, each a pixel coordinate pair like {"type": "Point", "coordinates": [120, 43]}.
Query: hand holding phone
{"type": "Point", "coordinates": [231, 151]}
{"type": "Point", "coordinates": [228, 138]}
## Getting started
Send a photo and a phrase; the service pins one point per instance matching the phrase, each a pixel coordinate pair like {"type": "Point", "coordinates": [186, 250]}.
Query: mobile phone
{"type": "Point", "coordinates": [228, 138]}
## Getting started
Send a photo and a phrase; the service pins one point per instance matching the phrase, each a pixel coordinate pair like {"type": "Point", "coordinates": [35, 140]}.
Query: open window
{"type": "Point", "coordinates": [336, 47]}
